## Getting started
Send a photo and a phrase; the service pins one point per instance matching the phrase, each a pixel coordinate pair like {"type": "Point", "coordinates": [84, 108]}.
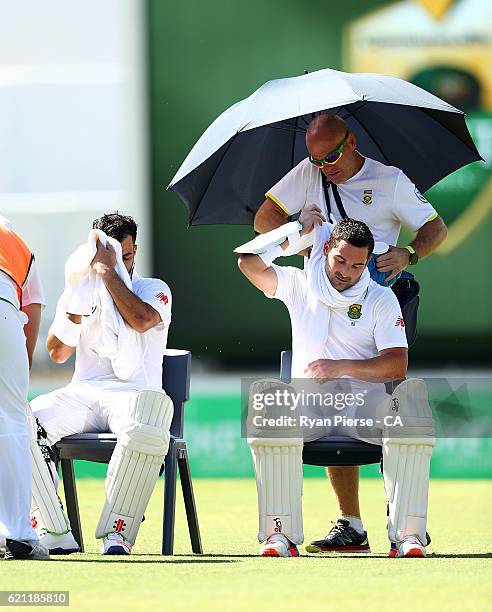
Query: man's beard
{"type": "Point", "coordinates": [339, 286]}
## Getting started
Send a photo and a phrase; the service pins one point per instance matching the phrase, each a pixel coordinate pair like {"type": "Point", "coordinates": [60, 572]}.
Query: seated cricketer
{"type": "Point", "coordinates": [344, 326]}
{"type": "Point", "coordinates": [117, 323]}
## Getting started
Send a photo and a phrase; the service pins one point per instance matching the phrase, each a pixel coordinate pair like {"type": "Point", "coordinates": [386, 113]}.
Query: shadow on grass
{"type": "Point", "coordinates": [211, 558]}
{"type": "Point", "coordinates": [353, 556]}
{"type": "Point", "coordinates": [163, 560]}
{"type": "Point", "coordinates": [460, 556]}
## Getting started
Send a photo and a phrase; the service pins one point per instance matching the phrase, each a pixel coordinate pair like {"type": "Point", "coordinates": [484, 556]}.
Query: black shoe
{"type": "Point", "coordinates": [342, 538]}
{"type": "Point", "coordinates": [26, 549]}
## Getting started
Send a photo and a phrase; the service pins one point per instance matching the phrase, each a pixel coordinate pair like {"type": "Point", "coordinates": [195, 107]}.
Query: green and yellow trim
{"type": "Point", "coordinates": [432, 217]}
{"type": "Point", "coordinates": [277, 202]}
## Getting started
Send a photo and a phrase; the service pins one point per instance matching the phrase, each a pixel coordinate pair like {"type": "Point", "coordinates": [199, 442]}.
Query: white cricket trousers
{"type": "Point", "coordinates": [15, 457]}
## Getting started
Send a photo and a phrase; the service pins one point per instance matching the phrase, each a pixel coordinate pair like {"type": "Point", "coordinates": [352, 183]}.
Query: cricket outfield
{"type": "Point", "coordinates": [457, 575]}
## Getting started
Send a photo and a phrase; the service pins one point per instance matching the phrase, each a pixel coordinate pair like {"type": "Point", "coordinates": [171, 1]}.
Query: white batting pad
{"type": "Point", "coordinates": [278, 471]}
{"type": "Point", "coordinates": [46, 508]}
{"type": "Point", "coordinates": [259, 408]}
{"type": "Point", "coordinates": [135, 464]}
{"type": "Point", "coordinates": [407, 450]}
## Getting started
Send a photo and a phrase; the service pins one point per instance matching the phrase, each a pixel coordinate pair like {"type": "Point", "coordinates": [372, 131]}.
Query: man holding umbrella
{"type": "Point", "coordinates": [343, 183]}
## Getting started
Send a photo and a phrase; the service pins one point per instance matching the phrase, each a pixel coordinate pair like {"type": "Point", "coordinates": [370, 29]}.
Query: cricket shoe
{"type": "Point", "coordinates": [342, 538]}
{"type": "Point", "coordinates": [411, 546]}
{"type": "Point", "coordinates": [59, 544]}
{"type": "Point", "coordinates": [32, 550]}
{"type": "Point", "coordinates": [115, 544]}
{"type": "Point", "coordinates": [394, 548]}
{"type": "Point", "coordinates": [278, 546]}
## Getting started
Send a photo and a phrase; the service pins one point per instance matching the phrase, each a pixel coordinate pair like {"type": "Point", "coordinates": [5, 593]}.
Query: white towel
{"type": "Point", "coordinates": [118, 342]}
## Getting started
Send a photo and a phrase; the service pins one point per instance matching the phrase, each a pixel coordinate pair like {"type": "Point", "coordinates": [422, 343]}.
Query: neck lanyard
{"type": "Point", "coordinates": [336, 195]}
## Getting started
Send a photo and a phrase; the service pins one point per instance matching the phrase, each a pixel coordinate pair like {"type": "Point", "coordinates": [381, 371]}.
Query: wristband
{"type": "Point", "coordinates": [271, 253]}
{"type": "Point", "coordinates": [413, 257]}
{"type": "Point", "coordinates": [65, 330]}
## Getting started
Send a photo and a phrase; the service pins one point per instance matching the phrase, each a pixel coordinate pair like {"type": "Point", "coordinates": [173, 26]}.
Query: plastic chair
{"type": "Point", "coordinates": [99, 447]}
{"type": "Point", "coordinates": [334, 450]}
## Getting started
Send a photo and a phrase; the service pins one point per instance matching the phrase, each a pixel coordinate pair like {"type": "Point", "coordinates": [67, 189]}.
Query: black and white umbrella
{"type": "Point", "coordinates": [255, 142]}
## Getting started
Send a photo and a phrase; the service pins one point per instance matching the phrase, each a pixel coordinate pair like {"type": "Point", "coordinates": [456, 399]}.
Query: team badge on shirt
{"type": "Point", "coordinates": [354, 311]}
{"type": "Point", "coordinates": [367, 197]}
{"type": "Point", "coordinates": [420, 196]}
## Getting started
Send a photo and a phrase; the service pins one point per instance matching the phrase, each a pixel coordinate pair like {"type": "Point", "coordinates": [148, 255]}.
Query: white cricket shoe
{"type": "Point", "coordinates": [411, 546]}
{"type": "Point", "coordinates": [59, 544]}
{"type": "Point", "coordinates": [115, 544]}
{"type": "Point", "coordinates": [32, 550]}
{"type": "Point", "coordinates": [278, 546]}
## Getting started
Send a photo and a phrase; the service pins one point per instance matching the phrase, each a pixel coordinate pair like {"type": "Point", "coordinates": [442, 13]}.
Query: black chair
{"type": "Point", "coordinates": [99, 448]}
{"type": "Point", "coordinates": [335, 450]}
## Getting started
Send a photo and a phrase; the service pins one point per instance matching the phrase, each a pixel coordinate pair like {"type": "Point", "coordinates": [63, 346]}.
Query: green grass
{"type": "Point", "coordinates": [456, 576]}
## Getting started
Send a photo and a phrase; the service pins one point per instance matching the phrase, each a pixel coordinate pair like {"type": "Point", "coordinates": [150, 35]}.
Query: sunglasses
{"type": "Point", "coordinates": [333, 157]}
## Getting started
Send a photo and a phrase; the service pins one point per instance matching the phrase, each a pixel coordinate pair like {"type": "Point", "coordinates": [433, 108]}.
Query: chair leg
{"type": "Point", "coordinates": [170, 467]}
{"type": "Point", "coordinates": [189, 501]}
{"type": "Point", "coordinates": [71, 501]}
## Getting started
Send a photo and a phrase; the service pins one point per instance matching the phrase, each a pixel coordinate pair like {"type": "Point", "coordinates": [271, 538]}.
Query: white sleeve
{"type": "Point", "coordinates": [389, 328]}
{"type": "Point", "coordinates": [290, 193]}
{"type": "Point", "coordinates": [286, 284]}
{"type": "Point", "coordinates": [411, 207]}
{"type": "Point", "coordinates": [33, 290]}
{"type": "Point", "coordinates": [158, 295]}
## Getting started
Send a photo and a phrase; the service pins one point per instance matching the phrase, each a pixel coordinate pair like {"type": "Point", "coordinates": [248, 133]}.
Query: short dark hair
{"type": "Point", "coordinates": [354, 232]}
{"type": "Point", "coordinates": [116, 226]}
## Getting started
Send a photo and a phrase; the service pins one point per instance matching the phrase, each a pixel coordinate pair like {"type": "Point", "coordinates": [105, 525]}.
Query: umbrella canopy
{"type": "Point", "coordinates": [255, 142]}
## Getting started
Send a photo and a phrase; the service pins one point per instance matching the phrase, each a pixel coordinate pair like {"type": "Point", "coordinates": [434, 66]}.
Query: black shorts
{"type": "Point", "coordinates": [406, 290]}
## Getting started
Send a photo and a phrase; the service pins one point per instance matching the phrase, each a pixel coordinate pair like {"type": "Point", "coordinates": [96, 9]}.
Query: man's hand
{"type": "Point", "coordinates": [105, 258]}
{"type": "Point", "coordinates": [394, 261]}
{"type": "Point", "coordinates": [310, 216]}
{"type": "Point", "coordinates": [327, 369]}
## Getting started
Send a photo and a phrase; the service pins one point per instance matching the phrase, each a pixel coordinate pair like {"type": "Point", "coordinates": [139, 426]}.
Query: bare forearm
{"type": "Point", "coordinates": [429, 237]}
{"type": "Point", "coordinates": [261, 275]}
{"type": "Point", "coordinates": [138, 314]}
{"type": "Point", "coordinates": [31, 328]}
{"type": "Point", "coordinates": [269, 217]}
{"type": "Point", "coordinates": [378, 369]}
{"type": "Point", "coordinates": [252, 265]}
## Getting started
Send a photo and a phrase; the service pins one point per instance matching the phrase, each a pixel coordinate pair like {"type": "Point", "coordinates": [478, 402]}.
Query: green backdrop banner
{"type": "Point", "coordinates": [216, 449]}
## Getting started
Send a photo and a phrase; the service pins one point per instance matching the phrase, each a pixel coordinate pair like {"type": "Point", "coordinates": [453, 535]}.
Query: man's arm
{"type": "Point", "coordinates": [32, 305]}
{"type": "Point", "coordinates": [31, 328]}
{"type": "Point", "coordinates": [269, 216]}
{"type": "Point", "coordinates": [59, 351]}
{"type": "Point", "coordinates": [263, 276]}
{"type": "Point", "coordinates": [391, 364]}
{"type": "Point", "coordinates": [427, 239]}
{"type": "Point", "coordinates": [138, 314]}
